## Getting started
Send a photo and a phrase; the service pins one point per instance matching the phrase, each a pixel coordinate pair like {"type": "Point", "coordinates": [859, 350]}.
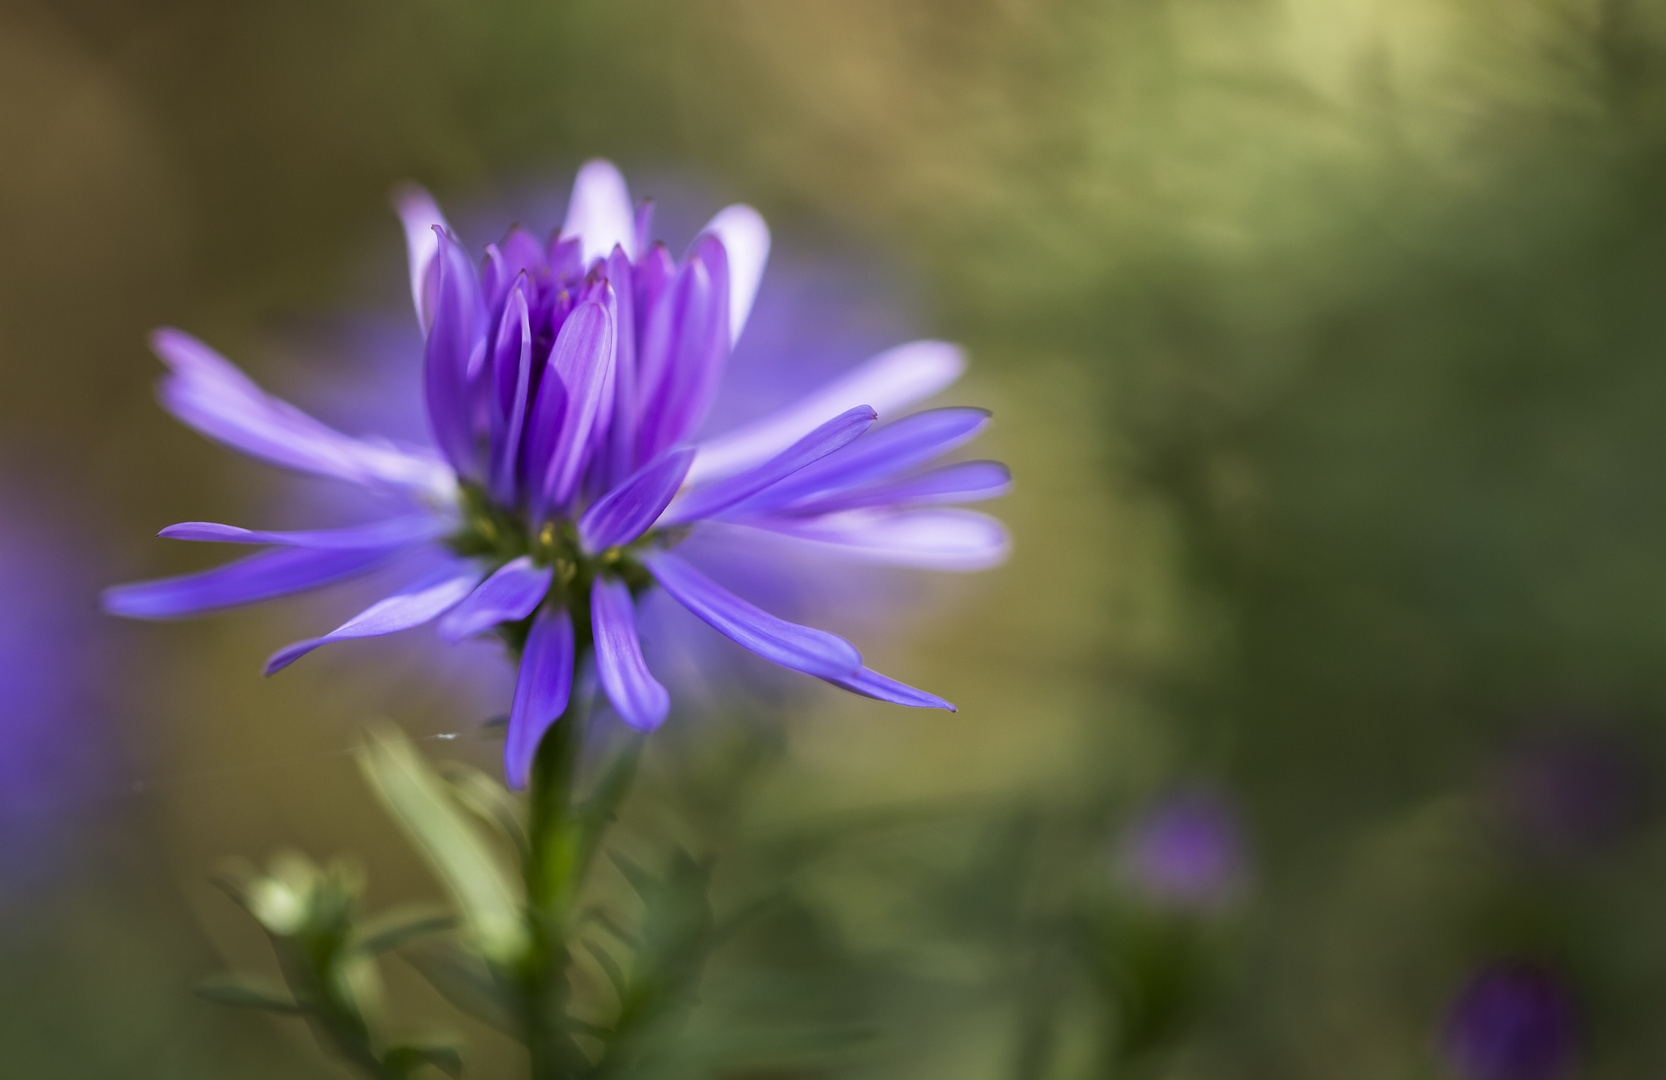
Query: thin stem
{"type": "Point", "coordinates": [551, 882]}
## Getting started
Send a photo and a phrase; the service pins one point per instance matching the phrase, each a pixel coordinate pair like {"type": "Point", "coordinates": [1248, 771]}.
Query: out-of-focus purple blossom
{"type": "Point", "coordinates": [53, 755]}
{"type": "Point", "coordinates": [1568, 792]}
{"type": "Point", "coordinates": [566, 386]}
{"type": "Point", "coordinates": [1511, 1022]}
{"type": "Point", "coordinates": [1185, 852]}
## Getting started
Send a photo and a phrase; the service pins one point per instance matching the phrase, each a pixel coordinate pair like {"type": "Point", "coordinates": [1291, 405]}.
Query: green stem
{"type": "Point", "coordinates": [551, 882]}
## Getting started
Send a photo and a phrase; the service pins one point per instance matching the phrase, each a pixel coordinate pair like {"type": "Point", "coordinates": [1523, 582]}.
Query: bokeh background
{"type": "Point", "coordinates": [1326, 339]}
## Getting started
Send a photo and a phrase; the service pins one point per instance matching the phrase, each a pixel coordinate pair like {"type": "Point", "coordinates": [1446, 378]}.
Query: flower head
{"type": "Point", "coordinates": [1512, 1022]}
{"type": "Point", "coordinates": [566, 383]}
{"type": "Point", "coordinates": [1185, 852]}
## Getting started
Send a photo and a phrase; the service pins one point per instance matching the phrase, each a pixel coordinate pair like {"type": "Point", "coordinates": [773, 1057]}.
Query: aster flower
{"type": "Point", "coordinates": [566, 384]}
{"type": "Point", "coordinates": [1511, 1022]}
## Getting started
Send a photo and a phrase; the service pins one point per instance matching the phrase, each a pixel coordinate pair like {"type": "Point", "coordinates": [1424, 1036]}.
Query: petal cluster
{"type": "Point", "coordinates": [565, 383]}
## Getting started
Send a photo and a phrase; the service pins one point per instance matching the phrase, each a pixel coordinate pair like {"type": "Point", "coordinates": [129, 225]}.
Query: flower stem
{"type": "Point", "coordinates": [552, 874]}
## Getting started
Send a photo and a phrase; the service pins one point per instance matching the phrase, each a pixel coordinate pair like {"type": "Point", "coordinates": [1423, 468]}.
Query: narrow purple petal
{"type": "Point", "coordinates": [419, 214]}
{"type": "Point", "coordinates": [259, 577]}
{"type": "Point", "coordinates": [885, 452]}
{"type": "Point", "coordinates": [690, 386]}
{"type": "Point", "coordinates": [204, 390]}
{"type": "Point", "coordinates": [814, 652]}
{"type": "Point", "coordinates": [890, 382]}
{"type": "Point", "coordinates": [393, 532]}
{"type": "Point", "coordinates": [745, 239]}
{"type": "Point", "coordinates": [965, 481]}
{"type": "Point", "coordinates": [599, 212]}
{"type": "Point", "coordinates": [512, 373]}
{"type": "Point", "coordinates": [583, 359]}
{"type": "Point", "coordinates": [449, 356]}
{"type": "Point", "coordinates": [676, 326]}
{"type": "Point", "coordinates": [621, 435]}
{"type": "Point", "coordinates": [870, 683]}
{"type": "Point", "coordinates": [627, 511]}
{"type": "Point", "coordinates": [639, 698]}
{"type": "Point", "coordinates": [541, 692]}
{"type": "Point", "coordinates": [543, 428]}
{"type": "Point", "coordinates": [644, 225]}
{"type": "Point", "coordinates": [959, 540]}
{"type": "Point", "coordinates": [720, 496]}
{"type": "Point", "coordinates": [426, 599]}
{"type": "Point", "coordinates": [509, 595]}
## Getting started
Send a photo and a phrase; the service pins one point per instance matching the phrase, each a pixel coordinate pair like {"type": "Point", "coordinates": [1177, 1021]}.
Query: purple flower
{"type": "Point", "coordinates": [1512, 1022]}
{"type": "Point", "coordinates": [565, 384]}
{"type": "Point", "coordinates": [1185, 852]}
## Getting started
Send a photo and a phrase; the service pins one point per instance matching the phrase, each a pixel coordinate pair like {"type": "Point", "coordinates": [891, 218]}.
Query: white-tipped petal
{"type": "Point", "coordinates": [928, 539]}
{"type": "Point", "coordinates": [745, 239]}
{"type": "Point", "coordinates": [599, 212]}
{"type": "Point", "coordinates": [889, 382]}
{"type": "Point", "coordinates": [419, 214]}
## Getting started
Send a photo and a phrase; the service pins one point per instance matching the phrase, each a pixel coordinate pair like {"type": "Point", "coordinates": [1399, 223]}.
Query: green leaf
{"type": "Point", "coordinates": [466, 981]}
{"type": "Point", "coordinates": [610, 967]}
{"type": "Point", "coordinates": [405, 1060]}
{"type": "Point", "coordinates": [248, 992]}
{"type": "Point", "coordinates": [491, 802]}
{"type": "Point", "coordinates": [474, 871]}
{"type": "Point", "coordinates": [401, 926]}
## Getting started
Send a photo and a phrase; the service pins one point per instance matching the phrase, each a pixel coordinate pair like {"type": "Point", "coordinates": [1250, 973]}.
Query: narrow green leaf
{"type": "Point", "coordinates": [640, 880]}
{"type": "Point", "coordinates": [401, 926]}
{"type": "Point", "coordinates": [491, 802]}
{"type": "Point", "coordinates": [453, 846]}
{"type": "Point", "coordinates": [466, 981]}
{"type": "Point", "coordinates": [610, 967]}
{"type": "Point", "coordinates": [247, 992]}
{"type": "Point", "coordinates": [405, 1060]}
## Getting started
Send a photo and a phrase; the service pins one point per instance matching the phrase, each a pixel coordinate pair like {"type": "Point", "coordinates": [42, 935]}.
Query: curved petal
{"type": "Point", "coordinates": [449, 355]}
{"type": "Point", "coordinates": [964, 481]}
{"type": "Point", "coordinates": [745, 238]}
{"type": "Point", "coordinates": [885, 452]}
{"type": "Point", "coordinates": [207, 392]}
{"type": "Point", "coordinates": [891, 381]}
{"type": "Point", "coordinates": [427, 599]}
{"type": "Point", "coordinates": [639, 698]}
{"type": "Point", "coordinates": [930, 539]}
{"type": "Point", "coordinates": [541, 692]}
{"type": "Point", "coordinates": [814, 652]}
{"type": "Point", "coordinates": [583, 360]}
{"type": "Point", "coordinates": [393, 532]}
{"type": "Point", "coordinates": [419, 214]}
{"type": "Point", "coordinates": [509, 595]}
{"type": "Point", "coordinates": [627, 511]}
{"type": "Point", "coordinates": [731, 491]}
{"type": "Point", "coordinates": [870, 683]}
{"type": "Point", "coordinates": [599, 212]}
{"type": "Point", "coordinates": [259, 577]}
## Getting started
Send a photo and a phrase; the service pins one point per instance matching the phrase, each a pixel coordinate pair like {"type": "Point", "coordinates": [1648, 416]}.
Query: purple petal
{"type": "Point", "coordinates": [449, 355]}
{"type": "Point", "coordinates": [965, 481]}
{"type": "Point", "coordinates": [246, 581]}
{"type": "Point", "coordinates": [720, 496]}
{"type": "Point", "coordinates": [674, 355]}
{"type": "Point", "coordinates": [205, 391]}
{"type": "Point", "coordinates": [702, 348]}
{"type": "Point", "coordinates": [419, 214]}
{"type": "Point", "coordinates": [627, 511]}
{"type": "Point", "coordinates": [599, 212]}
{"type": "Point", "coordinates": [394, 532]}
{"type": "Point", "coordinates": [512, 372]}
{"type": "Point", "coordinates": [541, 692]}
{"type": "Point", "coordinates": [509, 595]}
{"type": "Point", "coordinates": [641, 701]}
{"type": "Point", "coordinates": [890, 382]}
{"type": "Point", "coordinates": [745, 238]}
{"type": "Point", "coordinates": [426, 599]}
{"type": "Point", "coordinates": [583, 360]}
{"type": "Point", "coordinates": [889, 450]}
{"type": "Point", "coordinates": [931, 539]}
{"type": "Point", "coordinates": [622, 433]}
{"type": "Point", "coordinates": [814, 652]}
{"type": "Point", "coordinates": [870, 683]}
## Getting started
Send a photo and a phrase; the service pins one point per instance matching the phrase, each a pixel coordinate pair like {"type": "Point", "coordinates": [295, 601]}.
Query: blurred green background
{"type": "Point", "coordinates": [1325, 339]}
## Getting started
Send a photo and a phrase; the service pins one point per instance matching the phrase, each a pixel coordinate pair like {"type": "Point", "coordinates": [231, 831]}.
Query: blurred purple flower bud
{"type": "Point", "coordinates": [1569, 792]}
{"type": "Point", "coordinates": [1511, 1022]}
{"type": "Point", "coordinates": [1186, 852]}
